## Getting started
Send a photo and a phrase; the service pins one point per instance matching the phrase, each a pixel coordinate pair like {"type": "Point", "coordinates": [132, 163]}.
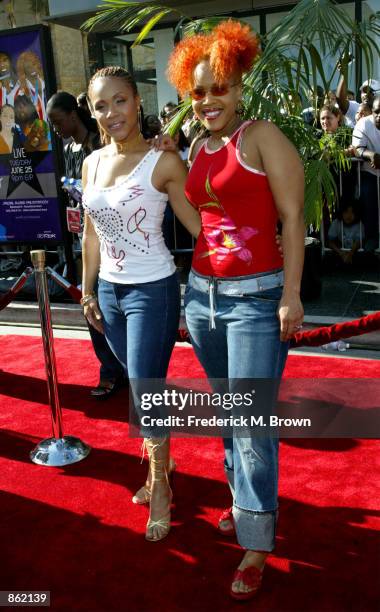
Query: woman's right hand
{"type": "Point", "coordinates": [93, 315]}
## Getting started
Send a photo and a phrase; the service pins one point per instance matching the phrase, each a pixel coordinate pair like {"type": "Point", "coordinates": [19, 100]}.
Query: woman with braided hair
{"type": "Point", "coordinates": [242, 301]}
{"type": "Point", "coordinates": [71, 122]}
{"type": "Point", "coordinates": [126, 188]}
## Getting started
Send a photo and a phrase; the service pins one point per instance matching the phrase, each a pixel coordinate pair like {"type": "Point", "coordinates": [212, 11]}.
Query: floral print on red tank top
{"type": "Point", "coordinates": [238, 213]}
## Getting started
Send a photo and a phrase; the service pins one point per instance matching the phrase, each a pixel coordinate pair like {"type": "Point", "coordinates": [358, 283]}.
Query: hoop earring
{"type": "Point", "coordinates": [139, 119]}
{"type": "Point", "coordinates": [240, 108]}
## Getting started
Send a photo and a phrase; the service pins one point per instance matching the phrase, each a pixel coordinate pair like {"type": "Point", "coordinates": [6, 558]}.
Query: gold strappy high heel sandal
{"type": "Point", "coordinates": [142, 496]}
{"type": "Point", "coordinates": [158, 451]}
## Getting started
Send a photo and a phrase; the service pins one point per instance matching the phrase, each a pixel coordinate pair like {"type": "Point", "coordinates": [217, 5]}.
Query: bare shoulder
{"type": "Point", "coordinates": [169, 168]}
{"type": "Point", "coordinates": [170, 161]}
{"type": "Point", "coordinates": [195, 147]}
{"type": "Point", "coordinates": [263, 129]}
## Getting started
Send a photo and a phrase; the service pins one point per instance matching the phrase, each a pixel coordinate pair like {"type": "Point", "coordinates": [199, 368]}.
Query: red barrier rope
{"type": "Point", "coordinates": [315, 337]}
{"type": "Point", "coordinates": [16, 287]}
{"type": "Point", "coordinates": [324, 335]}
{"type": "Point", "coordinates": [75, 293]}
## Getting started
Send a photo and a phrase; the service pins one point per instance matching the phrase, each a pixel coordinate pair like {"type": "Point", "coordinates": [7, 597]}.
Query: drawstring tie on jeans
{"type": "Point", "coordinates": [211, 296]}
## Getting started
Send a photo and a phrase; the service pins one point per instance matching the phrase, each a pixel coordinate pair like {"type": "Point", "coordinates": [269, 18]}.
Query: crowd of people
{"type": "Point", "coordinates": [241, 285]}
{"type": "Point", "coordinates": [358, 125]}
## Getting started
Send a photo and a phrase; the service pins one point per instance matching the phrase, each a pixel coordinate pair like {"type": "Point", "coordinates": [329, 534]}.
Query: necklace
{"type": "Point", "coordinates": [125, 146]}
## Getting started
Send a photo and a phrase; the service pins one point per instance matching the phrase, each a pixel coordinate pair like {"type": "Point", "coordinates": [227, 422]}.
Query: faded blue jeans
{"type": "Point", "coordinates": [140, 324]}
{"type": "Point", "coordinates": [245, 344]}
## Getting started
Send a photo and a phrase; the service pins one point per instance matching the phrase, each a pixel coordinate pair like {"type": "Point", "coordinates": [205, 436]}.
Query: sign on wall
{"type": "Point", "coordinates": [29, 204]}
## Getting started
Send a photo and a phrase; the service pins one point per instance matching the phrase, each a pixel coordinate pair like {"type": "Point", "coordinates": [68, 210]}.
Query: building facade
{"type": "Point", "coordinates": [77, 54]}
{"type": "Point", "coordinates": [148, 61]}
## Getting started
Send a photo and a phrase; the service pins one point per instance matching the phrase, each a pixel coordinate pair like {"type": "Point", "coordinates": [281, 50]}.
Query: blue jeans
{"type": "Point", "coordinates": [141, 324]}
{"type": "Point", "coordinates": [245, 344]}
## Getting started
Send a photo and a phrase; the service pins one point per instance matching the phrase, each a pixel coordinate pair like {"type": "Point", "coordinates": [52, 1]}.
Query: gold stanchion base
{"type": "Point", "coordinates": [57, 452]}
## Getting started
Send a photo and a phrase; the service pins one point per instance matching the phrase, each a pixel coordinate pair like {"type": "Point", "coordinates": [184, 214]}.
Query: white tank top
{"type": "Point", "coordinates": [128, 221]}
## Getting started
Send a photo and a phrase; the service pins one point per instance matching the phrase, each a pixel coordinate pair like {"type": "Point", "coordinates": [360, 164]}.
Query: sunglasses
{"type": "Point", "coordinates": [198, 93]}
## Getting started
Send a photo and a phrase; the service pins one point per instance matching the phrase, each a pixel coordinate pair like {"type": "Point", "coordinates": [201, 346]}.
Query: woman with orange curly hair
{"type": "Point", "coordinates": [242, 301]}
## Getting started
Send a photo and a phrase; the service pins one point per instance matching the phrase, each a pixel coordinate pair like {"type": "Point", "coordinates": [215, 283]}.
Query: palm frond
{"type": "Point", "coordinates": [150, 25]}
{"type": "Point", "coordinates": [320, 188]}
{"type": "Point", "coordinates": [204, 25]}
{"type": "Point", "coordinates": [123, 16]}
{"type": "Point", "coordinates": [175, 123]}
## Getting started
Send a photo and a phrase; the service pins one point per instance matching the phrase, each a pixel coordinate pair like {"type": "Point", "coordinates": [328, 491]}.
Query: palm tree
{"type": "Point", "coordinates": [289, 69]}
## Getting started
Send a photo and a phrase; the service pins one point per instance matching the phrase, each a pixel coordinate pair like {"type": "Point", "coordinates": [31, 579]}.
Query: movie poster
{"type": "Point", "coordinates": [29, 206]}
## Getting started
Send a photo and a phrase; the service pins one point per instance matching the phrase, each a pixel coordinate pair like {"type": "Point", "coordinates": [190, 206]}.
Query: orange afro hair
{"type": "Point", "coordinates": [230, 47]}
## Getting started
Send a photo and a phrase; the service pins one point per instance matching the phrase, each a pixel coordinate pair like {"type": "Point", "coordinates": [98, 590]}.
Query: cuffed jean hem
{"type": "Point", "coordinates": [255, 530]}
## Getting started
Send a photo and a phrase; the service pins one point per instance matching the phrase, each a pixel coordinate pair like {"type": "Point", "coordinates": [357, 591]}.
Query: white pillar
{"type": "Point", "coordinates": [163, 44]}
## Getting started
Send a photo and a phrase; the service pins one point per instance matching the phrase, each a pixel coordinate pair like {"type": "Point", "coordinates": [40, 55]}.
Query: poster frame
{"type": "Point", "coordinates": [47, 57]}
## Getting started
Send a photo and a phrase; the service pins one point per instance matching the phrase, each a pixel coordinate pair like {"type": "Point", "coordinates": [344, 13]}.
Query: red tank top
{"type": "Point", "coordinates": [238, 213]}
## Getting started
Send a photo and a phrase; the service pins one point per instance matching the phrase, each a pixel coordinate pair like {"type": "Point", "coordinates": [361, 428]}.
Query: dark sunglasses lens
{"type": "Point", "coordinates": [219, 90]}
{"type": "Point", "coordinates": [198, 93]}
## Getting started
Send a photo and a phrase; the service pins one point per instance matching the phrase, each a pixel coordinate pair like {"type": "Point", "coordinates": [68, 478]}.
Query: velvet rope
{"type": "Point", "coordinates": [75, 293]}
{"type": "Point", "coordinates": [315, 337]}
{"type": "Point", "coordinates": [324, 335]}
{"type": "Point", "coordinates": [5, 299]}
{"type": "Point", "coordinates": [16, 287]}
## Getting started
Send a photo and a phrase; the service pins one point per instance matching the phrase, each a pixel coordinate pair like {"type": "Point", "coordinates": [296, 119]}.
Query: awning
{"type": "Point", "coordinates": [70, 20]}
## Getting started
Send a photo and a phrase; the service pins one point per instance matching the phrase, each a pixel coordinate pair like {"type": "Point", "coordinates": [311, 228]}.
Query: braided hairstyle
{"type": "Point", "coordinates": [112, 71]}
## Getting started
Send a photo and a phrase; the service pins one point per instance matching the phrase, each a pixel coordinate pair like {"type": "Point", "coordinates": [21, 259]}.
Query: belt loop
{"type": "Point", "coordinates": [211, 295]}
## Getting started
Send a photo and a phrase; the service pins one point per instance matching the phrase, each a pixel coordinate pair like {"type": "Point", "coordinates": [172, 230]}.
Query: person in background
{"type": "Point", "coordinates": [363, 111]}
{"type": "Point", "coordinates": [308, 114]}
{"type": "Point", "coordinates": [344, 235]}
{"type": "Point", "coordinates": [83, 102]}
{"type": "Point", "coordinates": [152, 126]}
{"type": "Point", "coordinates": [348, 107]}
{"type": "Point", "coordinates": [330, 98]}
{"type": "Point", "coordinates": [330, 118]}
{"type": "Point", "coordinates": [167, 112]}
{"type": "Point", "coordinates": [73, 122]}
{"type": "Point", "coordinates": [366, 141]}
{"type": "Point", "coordinates": [176, 236]}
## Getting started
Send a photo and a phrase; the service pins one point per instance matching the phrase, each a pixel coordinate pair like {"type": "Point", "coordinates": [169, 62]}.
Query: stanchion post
{"type": "Point", "coordinates": [38, 261]}
{"type": "Point", "coordinates": [59, 450]}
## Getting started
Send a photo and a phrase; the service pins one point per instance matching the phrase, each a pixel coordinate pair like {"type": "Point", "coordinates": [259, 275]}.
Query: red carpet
{"type": "Point", "coordinates": [74, 531]}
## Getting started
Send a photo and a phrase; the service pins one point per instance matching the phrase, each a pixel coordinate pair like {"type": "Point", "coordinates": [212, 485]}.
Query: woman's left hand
{"type": "Point", "coordinates": [163, 142]}
{"type": "Point", "coordinates": [290, 314]}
